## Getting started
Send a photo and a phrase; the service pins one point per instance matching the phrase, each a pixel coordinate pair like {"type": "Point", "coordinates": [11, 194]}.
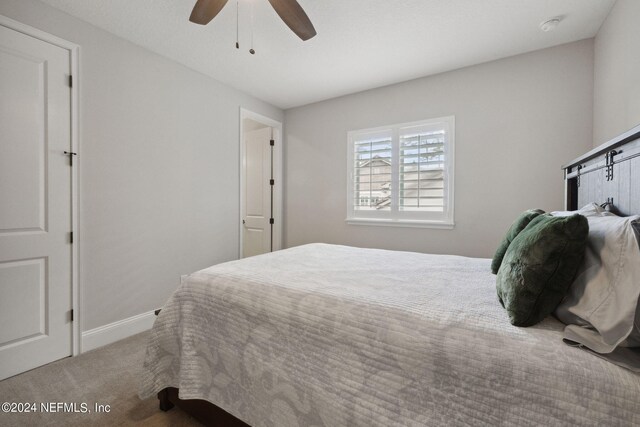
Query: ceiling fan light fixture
{"type": "Point", "coordinates": [550, 24]}
{"type": "Point", "coordinates": [289, 11]}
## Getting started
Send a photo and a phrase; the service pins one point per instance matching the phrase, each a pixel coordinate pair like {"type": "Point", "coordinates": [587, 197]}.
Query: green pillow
{"type": "Point", "coordinates": [519, 224]}
{"type": "Point", "coordinates": [540, 265]}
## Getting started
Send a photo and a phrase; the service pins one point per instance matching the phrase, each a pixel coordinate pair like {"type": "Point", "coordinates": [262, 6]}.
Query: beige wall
{"type": "Point", "coordinates": [517, 121]}
{"type": "Point", "coordinates": [159, 168]}
{"type": "Point", "coordinates": [617, 72]}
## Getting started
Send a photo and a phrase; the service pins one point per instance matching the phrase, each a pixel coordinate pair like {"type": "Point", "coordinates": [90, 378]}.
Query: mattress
{"type": "Point", "coordinates": [326, 335]}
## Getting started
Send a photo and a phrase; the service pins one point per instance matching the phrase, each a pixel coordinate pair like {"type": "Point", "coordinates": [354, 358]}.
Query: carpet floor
{"type": "Point", "coordinates": [105, 376]}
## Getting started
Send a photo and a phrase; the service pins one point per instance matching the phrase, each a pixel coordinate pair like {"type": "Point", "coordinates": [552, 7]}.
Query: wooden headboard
{"type": "Point", "coordinates": [608, 174]}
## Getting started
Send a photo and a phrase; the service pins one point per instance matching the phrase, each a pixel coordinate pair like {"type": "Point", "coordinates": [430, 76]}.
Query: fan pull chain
{"type": "Point", "coordinates": [252, 51]}
{"type": "Point", "coordinates": [237, 24]}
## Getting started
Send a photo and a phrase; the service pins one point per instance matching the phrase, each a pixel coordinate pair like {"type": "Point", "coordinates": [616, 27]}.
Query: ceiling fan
{"type": "Point", "coordinates": [289, 11]}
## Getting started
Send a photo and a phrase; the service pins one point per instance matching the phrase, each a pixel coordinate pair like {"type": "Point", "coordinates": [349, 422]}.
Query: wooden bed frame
{"type": "Point", "coordinates": [606, 175]}
{"type": "Point", "coordinates": [205, 412]}
{"type": "Point", "coordinates": [603, 175]}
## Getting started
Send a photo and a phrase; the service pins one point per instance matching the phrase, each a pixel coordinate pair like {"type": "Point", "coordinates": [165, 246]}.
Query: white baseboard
{"type": "Point", "coordinates": [116, 331]}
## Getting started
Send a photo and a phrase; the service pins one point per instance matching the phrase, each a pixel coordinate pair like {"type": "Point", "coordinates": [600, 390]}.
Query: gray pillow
{"type": "Point", "coordinates": [601, 307]}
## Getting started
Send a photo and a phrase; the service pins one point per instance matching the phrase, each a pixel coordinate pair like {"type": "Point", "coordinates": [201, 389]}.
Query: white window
{"type": "Point", "coordinates": [402, 175]}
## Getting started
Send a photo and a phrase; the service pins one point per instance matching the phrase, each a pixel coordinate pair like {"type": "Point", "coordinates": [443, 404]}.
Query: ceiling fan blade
{"type": "Point", "coordinates": [294, 16]}
{"type": "Point", "coordinates": [205, 10]}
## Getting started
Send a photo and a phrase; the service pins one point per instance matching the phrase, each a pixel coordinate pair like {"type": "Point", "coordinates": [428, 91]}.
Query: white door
{"type": "Point", "coordinates": [35, 203]}
{"type": "Point", "coordinates": [256, 228]}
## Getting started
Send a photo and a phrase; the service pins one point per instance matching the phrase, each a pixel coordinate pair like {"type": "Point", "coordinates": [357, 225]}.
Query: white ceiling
{"type": "Point", "coordinates": [361, 44]}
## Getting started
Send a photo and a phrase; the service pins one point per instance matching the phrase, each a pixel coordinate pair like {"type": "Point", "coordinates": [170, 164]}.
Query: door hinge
{"type": "Point", "coordinates": [272, 143]}
{"type": "Point", "coordinates": [272, 182]}
{"type": "Point", "coordinates": [578, 175]}
{"type": "Point", "coordinates": [609, 163]}
{"type": "Point", "coordinates": [71, 314]}
{"type": "Point", "coordinates": [71, 237]}
{"type": "Point", "coordinates": [70, 80]}
{"type": "Point", "coordinates": [271, 221]}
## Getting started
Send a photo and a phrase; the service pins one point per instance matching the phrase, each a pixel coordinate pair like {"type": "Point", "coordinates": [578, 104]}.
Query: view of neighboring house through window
{"type": "Point", "coordinates": [372, 170]}
{"type": "Point", "coordinates": [402, 174]}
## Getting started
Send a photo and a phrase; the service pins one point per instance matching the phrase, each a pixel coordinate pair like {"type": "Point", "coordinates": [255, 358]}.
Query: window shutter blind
{"type": "Point", "coordinates": [402, 175]}
{"type": "Point", "coordinates": [422, 162]}
{"type": "Point", "coordinates": [372, 173]}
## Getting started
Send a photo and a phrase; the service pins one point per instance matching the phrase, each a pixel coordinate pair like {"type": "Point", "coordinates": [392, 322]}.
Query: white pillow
{"type": "Point", "coordinates": [602, 303]}
{"type": "Point", "coordinates": [589, 210]}
{"type": "Point", "coordinates": [633, 340]}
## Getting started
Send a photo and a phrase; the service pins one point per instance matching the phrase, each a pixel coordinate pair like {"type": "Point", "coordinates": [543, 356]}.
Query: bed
{"type": "Point", "coordinates": [327, 335]}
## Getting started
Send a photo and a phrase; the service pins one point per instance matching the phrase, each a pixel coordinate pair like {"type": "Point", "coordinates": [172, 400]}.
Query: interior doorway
{"type": "Point", "coordinates": [260, 184]}
{"type": "Point", "coordinates": [38, 210]}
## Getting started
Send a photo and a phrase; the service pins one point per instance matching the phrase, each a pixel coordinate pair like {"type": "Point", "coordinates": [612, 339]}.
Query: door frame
{"type": "Point", "coordinates": [277, 176]}
{"type": "Point", "coordinates": [74, 52]}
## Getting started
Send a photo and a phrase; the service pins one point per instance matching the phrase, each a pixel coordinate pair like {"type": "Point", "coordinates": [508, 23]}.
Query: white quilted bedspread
{"type": "Point", "coordinates": [324, 335]}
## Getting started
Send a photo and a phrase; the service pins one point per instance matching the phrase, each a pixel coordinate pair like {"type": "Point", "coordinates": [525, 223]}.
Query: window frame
{"type": "Point", "coordinates": [395, 217]}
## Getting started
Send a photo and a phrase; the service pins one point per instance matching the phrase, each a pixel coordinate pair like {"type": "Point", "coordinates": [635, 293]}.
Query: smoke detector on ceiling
{"type": "Point", "coordinates": [550, 24]}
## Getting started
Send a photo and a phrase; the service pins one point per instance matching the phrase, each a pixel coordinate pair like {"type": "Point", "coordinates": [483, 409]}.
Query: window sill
{"type": "Point", "coordinates": [443, 225]}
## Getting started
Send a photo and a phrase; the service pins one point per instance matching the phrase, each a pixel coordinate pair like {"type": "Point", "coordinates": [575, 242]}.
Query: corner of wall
{"type": "Point", "coordinates": [616, 67]}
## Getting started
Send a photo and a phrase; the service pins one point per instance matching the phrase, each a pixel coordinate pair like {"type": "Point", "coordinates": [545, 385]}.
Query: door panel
{"type": "Point", "coordinates": [255, 175]}
{"type": "Point", "coordinates": [23, 78]}
{"type": "Point", "coordinates": [23, 287]}
{"type": "Point", "coordinates": [256, 237]}
{"type": "Point", "coordinates": [253, 241]}
{"type": "Point", "coordinates": [35, 203]}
